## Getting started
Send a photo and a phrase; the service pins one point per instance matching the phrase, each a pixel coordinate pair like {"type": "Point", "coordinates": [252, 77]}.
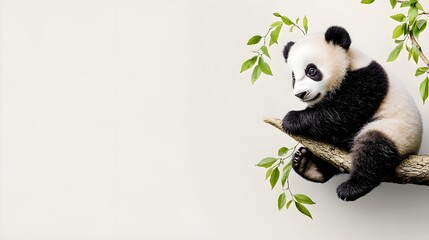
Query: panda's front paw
{"type": "Point", "coordinates": [290, 122]}
{"type": "Point", "coordinates": [352, 189]}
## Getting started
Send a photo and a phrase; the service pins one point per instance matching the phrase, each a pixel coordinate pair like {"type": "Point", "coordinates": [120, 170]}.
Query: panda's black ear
{"type": "Point", "coordinates": [339, 36]}
{"type": "Point", "coordinates": [286, 50]}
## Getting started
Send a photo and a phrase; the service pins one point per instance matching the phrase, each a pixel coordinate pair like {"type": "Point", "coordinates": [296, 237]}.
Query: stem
{"type": "Point", "coordinates": [417, 45]}
{"type": "Point", "coordinates": [288, 188]}
{"type": "Point", "coordinates": [299, 28]}
{"type": "Point", "coordinates": [265, 36]}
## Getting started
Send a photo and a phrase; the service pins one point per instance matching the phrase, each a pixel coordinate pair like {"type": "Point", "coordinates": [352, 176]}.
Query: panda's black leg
{"type": "Point", "coordinates": [373, 157]}
{"type": "Point", "coordinates": [310, 167]}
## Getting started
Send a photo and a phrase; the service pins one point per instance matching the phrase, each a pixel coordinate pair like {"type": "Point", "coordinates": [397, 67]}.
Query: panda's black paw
{"type": "Point", "coordinates": [290, 122]}
{"type": "Point", "coordinates": [299, 159]}
{"type": "Point", "coordinates": [310, 167]}
{"type": "Point", "coordinates": [353, 189]}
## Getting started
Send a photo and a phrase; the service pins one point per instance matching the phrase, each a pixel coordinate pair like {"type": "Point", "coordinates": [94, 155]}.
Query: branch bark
{"type": "Point", "coordinates": [414, 169]}
{"type": "Point", "coordinates": [417, 45]}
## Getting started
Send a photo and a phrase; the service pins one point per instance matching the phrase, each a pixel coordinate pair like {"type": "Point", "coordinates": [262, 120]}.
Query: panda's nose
{"type": "Point", "coordinates": [301, 95]}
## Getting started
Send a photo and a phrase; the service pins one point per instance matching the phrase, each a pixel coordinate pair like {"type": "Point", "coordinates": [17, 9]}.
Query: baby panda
{"type": "Point", "coordinates": [353, 104]}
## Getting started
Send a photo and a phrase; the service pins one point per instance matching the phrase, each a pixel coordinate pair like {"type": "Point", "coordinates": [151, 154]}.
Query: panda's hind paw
{"type": "Point", "coordinates": [310, 167]}
{"type": "Point", "coordinates": [298, 156]}
{"type": "Point", "coordinates": [352, 189]}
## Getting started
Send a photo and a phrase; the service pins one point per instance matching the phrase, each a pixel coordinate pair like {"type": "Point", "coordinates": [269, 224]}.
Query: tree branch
{"type": "Point", "coordinates": [414, 169]}
{"type": "Point", "coordinates": [417, 45]}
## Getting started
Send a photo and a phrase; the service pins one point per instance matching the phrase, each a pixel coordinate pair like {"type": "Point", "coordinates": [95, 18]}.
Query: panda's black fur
{"type": "Point", "coordinates": [339, 118]}
{"type": "Point", "coordinates": [342, 114]}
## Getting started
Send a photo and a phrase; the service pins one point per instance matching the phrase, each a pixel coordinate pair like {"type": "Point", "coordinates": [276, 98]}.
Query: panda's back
{"type": "Point", "coordinates": [398, 118]}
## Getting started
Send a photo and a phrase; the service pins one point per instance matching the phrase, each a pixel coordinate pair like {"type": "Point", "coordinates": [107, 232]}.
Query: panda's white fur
{"type": "Point", "coordinates": [358, 59]}
{"type": "Point", "coordinates": [382, 126]}
{"type": "Point", "coordinates": [314, 49]}
{"type": "Point", "coordinates": [399, 119]}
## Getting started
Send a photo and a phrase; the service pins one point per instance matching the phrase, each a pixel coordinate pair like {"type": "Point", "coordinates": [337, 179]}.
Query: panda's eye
{"type": "Point", "coordinates": [312, 72]}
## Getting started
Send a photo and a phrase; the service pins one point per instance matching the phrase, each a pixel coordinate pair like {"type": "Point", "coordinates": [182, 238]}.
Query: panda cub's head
{"type": "Point", "coordinates": [319, 63]}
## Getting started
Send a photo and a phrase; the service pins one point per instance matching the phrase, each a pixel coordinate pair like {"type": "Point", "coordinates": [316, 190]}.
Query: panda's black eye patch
{"type": "Point", "coordinates": [293, 80]}
{"type": "Point", "coordinates": [313, 72]}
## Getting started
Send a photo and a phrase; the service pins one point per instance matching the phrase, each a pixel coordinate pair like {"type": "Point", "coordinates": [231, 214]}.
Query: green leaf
{"type": "Point", "coordinates": [421, 70]}
{"type": "Point", "coordinates": [301, 198]}
{"type": "Point", "coordinates": [268, 173]}
{"type": "Point", "coordinates": [415, 51]}
{"type": "Point", "coordinates": [282, 151]}
{"type": "Point", "coordinates": [423, 27]}
{"type": "Point", "coordinates": [405, 4]}
{"type": "Point", "coordinates": [416, 31]}
{"type": "Point", "coordinates": [297, 21]}
{"type": "Point", "coordinates": [275, 24]}
{"type": "Point", "coordinates": [275, 34]}
{"type": "Point", "coordinates": [288, 204]}
{"type": "Point", "coordinates": [286, 172]}
{"type": "Point", "coordinates": [281, 201]}
{"type": "Point", "coordinates": [393, 3]}
{"type": "Point", "coordinates": [412, 13]}
{"type": "Point", "coordinates": [398, 31]}
{"type": "Point", "coordinates": [421, 24]}
{"type": "Point", "coordinates": [256, 74]}
{"type": "Point", "coordinates": [305, 23]}
{"type": "Point", "coordinates": [303, 209]}
{"type": "Point", "coordinates": [399, 17]}
{"type": "Point", "coordinates": [266, 162]}
{"type": "Point", "coordinates": [367, 1]}
{"type": "Point", "coordinates": [419, 6]}
{"type": "Point", "coordinates": [265, 68]}
{"type": "Point", "coordinates": [286, 20]}
{"type": "Point", "coordinates": [291, 28]}
{"type": "Point", "coordinates": [405, 28]}
{"type": "Point", "coordinates": [410, 53]}
{"type": "Point", "coordinates": [264, 50]}
{"type": "Point", "coordinates": [277, 14]}
{"type": "Point", "coordinates": [395, 53]}
{"type": "Point", "coordinates": [274, 177]}
{"type": "Point", "coordinates": [254, 40]}
{"type": "Point", "coordinates": [248, 64]}
{"type": "Point", "coordinates": [424, 89]}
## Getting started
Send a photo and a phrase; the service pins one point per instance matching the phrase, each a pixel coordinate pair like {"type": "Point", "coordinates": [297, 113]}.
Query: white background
{"type": "Point", "coordinates": [129, 120]}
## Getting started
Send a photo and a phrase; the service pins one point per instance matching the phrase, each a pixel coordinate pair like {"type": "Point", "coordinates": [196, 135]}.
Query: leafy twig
{"type": "Point", "coordinates": [417, 45]}
{"type": "Point", "coordinates": [273, 33]}
{"type": "Point", "coordinates": [412, 25]}
{"type": "Point", "coordinates": [272, 164]}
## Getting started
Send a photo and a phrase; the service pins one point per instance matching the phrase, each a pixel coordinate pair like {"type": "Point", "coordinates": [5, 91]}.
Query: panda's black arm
{"type": "Point", "coordinates": [294, 122]}
{"type": "Point", "coordinates": [316, 123]}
